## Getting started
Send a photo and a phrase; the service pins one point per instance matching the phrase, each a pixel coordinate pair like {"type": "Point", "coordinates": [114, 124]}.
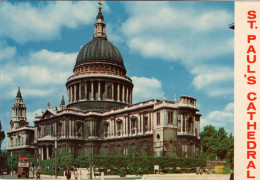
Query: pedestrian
{"type": "Point", "coordinates": [231, 176]}
{"type": "Point", "coordinates": [197, 170]}
{"type": "Point", "coordinates": [68, 174]}
{"type": "Point", "coordinates": [38, 174]}
{"type": "Point", "coordinates": [76, 175]}
{"type": "Point", "coordinates": [201, 171]}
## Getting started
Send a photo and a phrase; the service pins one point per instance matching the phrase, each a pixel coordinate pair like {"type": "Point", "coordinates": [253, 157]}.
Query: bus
{"type": "Point", "coordinates": [23, 167]}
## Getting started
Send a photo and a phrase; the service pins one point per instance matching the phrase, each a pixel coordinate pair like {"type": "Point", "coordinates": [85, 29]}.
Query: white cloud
{"type": "Point", "coordinates": [214, 80]}
{"type": "Point", "coordinates": [220, 118]}
{"type": "Point", "coordinates": [193, 36]}
{"type": "Point", "coordinates": [24, 22]}
{"type": "Point", "coordinates": [39, 73]}
{"type": "Point", "coordinates": [31, 116]}
{"type": "Point", "coordinates": [6, 52]}
{"type": "Point", "coordinates": [146, 89]}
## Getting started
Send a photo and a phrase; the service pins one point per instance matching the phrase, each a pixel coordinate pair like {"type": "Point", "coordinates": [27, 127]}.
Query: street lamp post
{"type": "Point", "coordinates": [56, 159]}
{"type": "Point", "coordinates": [90, 164]}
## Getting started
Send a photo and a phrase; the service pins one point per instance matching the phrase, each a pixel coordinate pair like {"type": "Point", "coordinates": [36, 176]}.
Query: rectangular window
{"type": "Point", "coordinates": [170, 117]}
{"type": "Point", "coordinates": [158, 118]}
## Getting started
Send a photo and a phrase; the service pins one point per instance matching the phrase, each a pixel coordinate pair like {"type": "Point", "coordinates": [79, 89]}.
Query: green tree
{"type": "Point", "coordinates": [82, 161]}
{"type": "Point", "coordinates": [3, 160]}
{"type": "Point", "coordinates": [223, 145]}
{"type": "Point", "coordinates": [230, 153]}
{"type": "Point", "coordinates": [65, 160]}
{"type": "Point", "coordinates": [217, 143]}
{"type": "Point", "coordinates": [31, 159]}
{"type": "Point", "coordinates": [209, 139]}
{"type": "Point", "coordinates": [13, 162]}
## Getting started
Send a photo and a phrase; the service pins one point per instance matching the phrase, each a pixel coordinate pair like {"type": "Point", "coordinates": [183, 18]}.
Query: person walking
{"type": "Point", "coordinates": [76, 175]}
{"type": "Point", "coordinates": [68, 174]}
{"type": "Point", "coordinates": [38, 174]}
{"type": "Point", "coordinates": [197, 170]}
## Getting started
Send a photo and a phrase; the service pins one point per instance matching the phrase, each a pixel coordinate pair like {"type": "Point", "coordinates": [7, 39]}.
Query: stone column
{"type": "Point", "coordinates": [69, 128]}
{"type": "Point", "coordinates": [130, 124]}
{"type": "Point", "coordinates": [47, 152]}
{"type": "Point", "coordinates": [113, 98]}
{"type": "Point", "coordinates": [75, 92]}
{"type": "Point", "coordinates": [72, 128]}
{"type": "Point", "coordinates": [130, 96]}
{"type": "Point", "coordinates": [181, 123]}
{"type": "Point", "coordinates": [99, 91]}
{"type": "Point", "coordinates": [64, 128]}
{"type": "Point", "coordinates": [80, 91]}
{"type": "Point", "coordinates": [193, 125]}
{"type": "Point", "coordinates": [86, 90]}
{"type": "Point", "coordinates": [68, 99]}
{"type": "Point", "coordinates": [42, 152]}
{"type": "Point", "coordinates": [126, 124]}
{"type": "Point", "coordinates": [123, 93]}
{"type": "Point", "coordinates": [110, 128]}
{"type": "Point", "coordinates": [70, 95]}
{"type": "Point", "coordinates": [118, 93]}
{"type": "Point", "coordinates": [141, 123]}
{"type": "Point", "coordinates": [24, 139]}
{"type": "Point", "coordinates": [127, 95]}
{"type": "Point", "coordinates": [92, 90]}
{"type": "Point", "coordinates": [39, 151]}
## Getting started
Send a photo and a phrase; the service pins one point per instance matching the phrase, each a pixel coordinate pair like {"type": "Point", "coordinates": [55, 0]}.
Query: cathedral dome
{"type": "Point", "coordinates": [100, 50]}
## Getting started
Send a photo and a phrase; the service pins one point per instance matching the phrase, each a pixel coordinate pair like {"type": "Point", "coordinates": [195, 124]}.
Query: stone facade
{"type": "Point", "coordinates": [99, 117]}
{"type": "Point", "coordinates": [20, 136]}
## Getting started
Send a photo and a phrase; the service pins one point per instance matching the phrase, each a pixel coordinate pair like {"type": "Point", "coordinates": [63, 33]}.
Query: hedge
{"type": "Point", "coordinates": [122, 164]}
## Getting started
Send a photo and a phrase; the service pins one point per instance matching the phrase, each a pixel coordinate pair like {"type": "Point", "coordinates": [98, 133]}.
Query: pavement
{"type": "Point", "coordinates": [192, 176]}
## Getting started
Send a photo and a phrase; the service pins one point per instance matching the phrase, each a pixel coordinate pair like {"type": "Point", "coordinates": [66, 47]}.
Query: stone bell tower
{"type": "Point", "coordinates": [18, 112]}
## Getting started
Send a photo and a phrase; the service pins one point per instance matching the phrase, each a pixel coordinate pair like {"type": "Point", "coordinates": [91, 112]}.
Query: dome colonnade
{"type": "Point", "coordinates": [99, 81]}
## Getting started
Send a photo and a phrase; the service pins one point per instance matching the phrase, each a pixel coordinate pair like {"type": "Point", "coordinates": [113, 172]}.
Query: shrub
{"type": "Point", "coordinates": [121, 172]}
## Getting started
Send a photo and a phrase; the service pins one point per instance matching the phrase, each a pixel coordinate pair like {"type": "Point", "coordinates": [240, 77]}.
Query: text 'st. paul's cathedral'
{"type": "Point", "coordinates": [99, 117]}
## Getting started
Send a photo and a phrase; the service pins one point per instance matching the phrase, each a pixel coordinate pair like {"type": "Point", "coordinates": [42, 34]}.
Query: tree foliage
{"type": "Point", "coordinates": [3, 160]}
{"type": "Point", "coordinates": [82, 161]}
{"type": "Point", "coordinates": [124, 164]}
{"type": "Point", "coordinates": [65, 160]}
{"type": "Point", "coordinates": [13, 162]}
{"type": "Point", "coordinates": [217, 144]}
{"type": "Point", "coordinates": [31, 159]}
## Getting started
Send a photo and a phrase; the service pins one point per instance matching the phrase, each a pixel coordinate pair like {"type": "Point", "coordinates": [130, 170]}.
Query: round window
{"type": "Point", "coordinates": [158, 136]}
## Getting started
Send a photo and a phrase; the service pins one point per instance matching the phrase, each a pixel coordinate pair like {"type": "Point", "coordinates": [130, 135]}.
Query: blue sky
{"type": "Point", "coordinates": [168, 47]}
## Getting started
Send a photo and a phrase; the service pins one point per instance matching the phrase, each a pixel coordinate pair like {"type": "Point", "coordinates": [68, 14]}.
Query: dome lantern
{"type": "Point", "coordinates": [100, 26]}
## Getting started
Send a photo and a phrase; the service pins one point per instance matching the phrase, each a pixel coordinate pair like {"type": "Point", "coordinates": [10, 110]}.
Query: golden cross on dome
{"type": "Point", "coordinates": [100, 4]}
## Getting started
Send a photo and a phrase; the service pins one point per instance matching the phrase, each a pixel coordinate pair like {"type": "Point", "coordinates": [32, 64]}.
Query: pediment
{"type": "Point", "coordinates": [47, 114]}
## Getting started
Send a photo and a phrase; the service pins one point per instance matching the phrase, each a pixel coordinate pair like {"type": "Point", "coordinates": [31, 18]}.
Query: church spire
{"type": "Point", "coordinates": [19, 95]}
{"type": "Point", "coordinates": [100, 26]}
{"type": "Point", "coordinates": [19, 98]}
{"type": "Point", "coordinates": [62, 103]}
